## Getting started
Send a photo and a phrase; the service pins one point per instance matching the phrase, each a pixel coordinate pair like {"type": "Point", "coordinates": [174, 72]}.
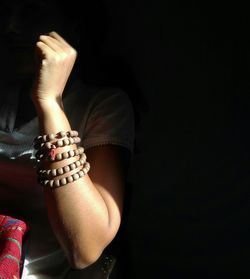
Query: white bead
{"type": "Point", "coordinates": [71, 153]}
{"type": "Point", "coordinates": [57, 182]}
{"type": "Point", "coordinates": [70, 179]}
{"type": "Point", "coordinates": [66, 168]}
{"type": "Point", "coordinates": [59, 143]}
{"type": "Point", "coordinates": [72, 166]}
{"type": "Point", "coordinates": [66, 141]}
{"type": "Point", "coordinates": [65, 155]}
{"type": "Point", "coordinates": [62, 134]}
{"type": "Point", "coordinates": [60, 171]}
{"type": "Point", "coordinates": [63, 181]}
{"type": "Point", "coordinates": [75, 176]}
{"type": "Point", "coordinates": [51, 136]}
{"type": "Point", "coordinates": [59, 156]}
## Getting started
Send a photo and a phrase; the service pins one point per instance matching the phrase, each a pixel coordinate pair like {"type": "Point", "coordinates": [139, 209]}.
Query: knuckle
{"type": "Point", "coordinates": [64, 55]}
{"type": "Point", "coordinates": [55, 58]}
{"type": "Point", "coordinates": [73, 53]}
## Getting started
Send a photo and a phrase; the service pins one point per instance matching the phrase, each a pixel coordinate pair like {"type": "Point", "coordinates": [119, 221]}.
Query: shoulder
{"type": "Point", "coordinates": [91, 102]}
{"type": "Point", "coordinates": [112, 98]}
{"type": "Point", "coordinates": [92, 95]}
{"type": "Point", "coordinates": [102, 115]}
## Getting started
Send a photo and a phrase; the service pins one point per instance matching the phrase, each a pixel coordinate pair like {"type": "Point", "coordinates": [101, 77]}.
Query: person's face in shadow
{"type": "Point", "coordinates": [21, 23]}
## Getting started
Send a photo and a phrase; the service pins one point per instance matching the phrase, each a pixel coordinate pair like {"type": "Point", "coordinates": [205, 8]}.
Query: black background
{"type": "Point", "coordinates": [189, 215]}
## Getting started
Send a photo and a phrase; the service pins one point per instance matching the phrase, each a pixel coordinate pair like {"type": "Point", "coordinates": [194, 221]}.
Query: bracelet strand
{"type": "Point", "coordinates": [47, 150]}
{"type": "Point", "coordinates": [62, 170]}
{"type": "Point", "coordinates": [54, 183]}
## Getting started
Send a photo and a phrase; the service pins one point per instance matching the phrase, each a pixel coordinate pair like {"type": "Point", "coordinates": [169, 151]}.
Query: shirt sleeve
{"type": "Point", "coordinates": [110, 120]}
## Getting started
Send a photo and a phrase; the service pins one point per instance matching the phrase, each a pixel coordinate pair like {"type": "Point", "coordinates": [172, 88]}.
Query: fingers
{"type": "Point", "coordinates": [43, 50]}
{"type": "Point", "coordinates": [51, 43]}
{"type": "Point", "coordinates": [56, 36]}
{"type": "Point", "coordinates": [53, 47]}
{"type": "Point", "coordinates": [55, 42]}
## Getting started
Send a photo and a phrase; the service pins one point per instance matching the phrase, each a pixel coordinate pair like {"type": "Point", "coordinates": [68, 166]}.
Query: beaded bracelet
{"type": "Point", "coordinates": [47, 150]}
{"type": "Point", "coordinates": [59, 143]}
{"type": "Point", "coordinates": [43, 173]}
{"type": "Point", "coordinates": [51, 155]}
{"type": "Point", "coordinates": [54, 183]}
{"type": "Point", "coordinates": [50, 137]}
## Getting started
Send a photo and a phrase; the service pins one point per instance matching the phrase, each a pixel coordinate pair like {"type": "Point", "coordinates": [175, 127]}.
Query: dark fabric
{"type": "Point", "coordinates": [101, 269]}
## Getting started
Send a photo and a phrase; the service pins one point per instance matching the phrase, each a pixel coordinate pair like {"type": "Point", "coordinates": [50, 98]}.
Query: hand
{"type": "Point", "coordinates": [55, 59]}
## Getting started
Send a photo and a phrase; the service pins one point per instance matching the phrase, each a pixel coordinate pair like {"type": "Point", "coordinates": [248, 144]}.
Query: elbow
{"type": "Point", "coordinates": [79, 262]}
{"type": "Point", "coordinates": [83, 257]}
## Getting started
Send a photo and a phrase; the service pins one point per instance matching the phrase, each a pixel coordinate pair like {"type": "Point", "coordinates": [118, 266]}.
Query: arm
{"type": "Point", "coordinates": [85, 215]}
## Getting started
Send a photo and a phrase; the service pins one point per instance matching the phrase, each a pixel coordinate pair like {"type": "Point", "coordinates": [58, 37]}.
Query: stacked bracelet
{"type": "Point", "coordinates": [62, 170]}
{"type": "Point", "coordinates": [58, 143]}
{"type": "Point", "coordinates": [47, 150]}
{"type": "Point", "coordinates": [63, 181]}
{"type": "Point", "coordinates": [50, 137]}
{"type": "Point", "coordinates": [51, 154]}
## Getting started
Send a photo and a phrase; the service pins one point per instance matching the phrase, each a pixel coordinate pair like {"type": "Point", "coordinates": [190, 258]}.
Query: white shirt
{"type": "Point", "coordinates": [101, 115]}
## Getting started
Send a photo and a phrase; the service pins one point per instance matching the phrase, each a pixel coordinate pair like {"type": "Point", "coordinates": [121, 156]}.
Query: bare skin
{"type": "Point", "coordinates": [85, 215]}
{"type": "Point", "coordinates": [56, 59]}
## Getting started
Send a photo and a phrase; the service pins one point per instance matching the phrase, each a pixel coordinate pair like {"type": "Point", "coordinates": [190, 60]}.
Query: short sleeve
{"type": "Point", "coordinates": [110, 120]}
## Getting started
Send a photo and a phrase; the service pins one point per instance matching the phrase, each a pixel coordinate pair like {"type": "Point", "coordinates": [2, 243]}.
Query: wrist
{"type": "Point", "coordinates": [51, 116]}
{"type": "Point", "coordinates": [48, 104]}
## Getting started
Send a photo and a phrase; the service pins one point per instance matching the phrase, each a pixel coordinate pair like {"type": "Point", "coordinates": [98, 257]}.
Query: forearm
{"type": "Point", "coordinates": [77, 212]}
